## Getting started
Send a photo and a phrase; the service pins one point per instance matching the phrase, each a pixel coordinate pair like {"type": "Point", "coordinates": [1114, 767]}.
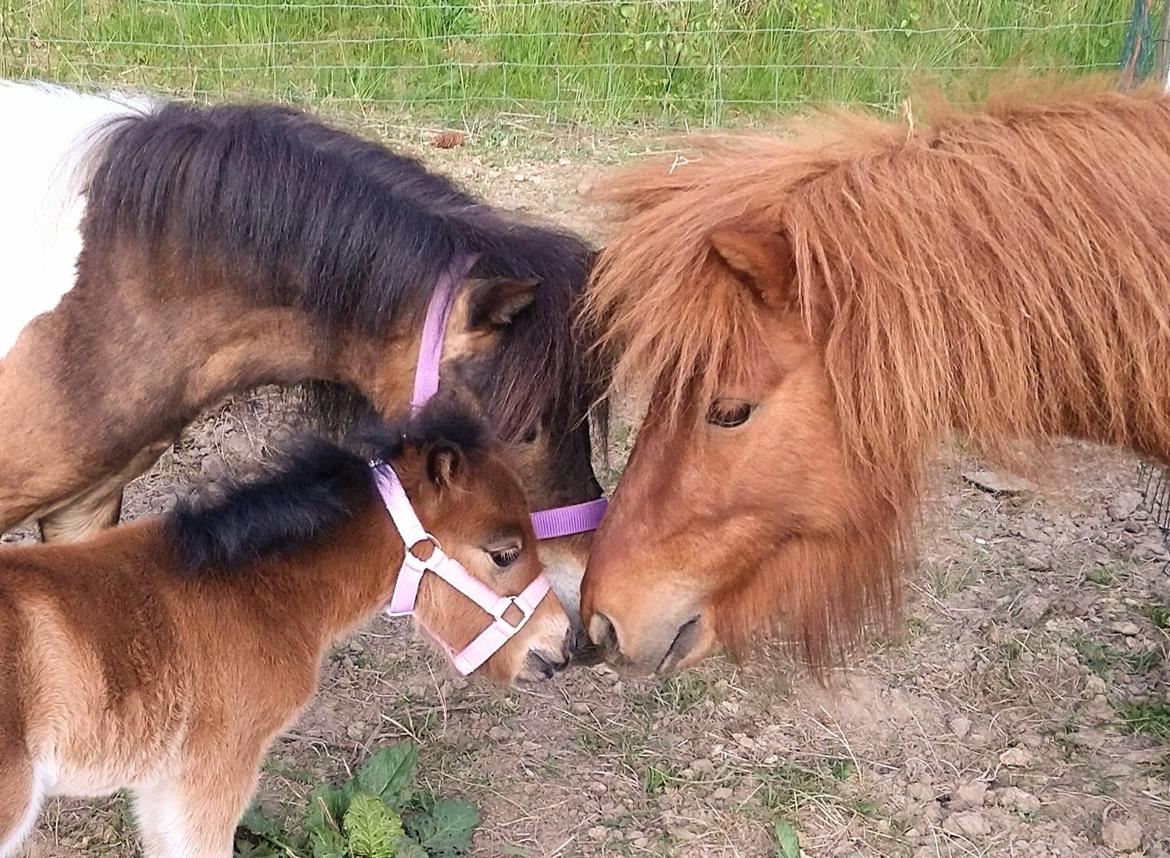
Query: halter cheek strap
{"type": "Point", "coordinates": [548, 523]}
{"type": "Point", "coordinates": [405, 599]}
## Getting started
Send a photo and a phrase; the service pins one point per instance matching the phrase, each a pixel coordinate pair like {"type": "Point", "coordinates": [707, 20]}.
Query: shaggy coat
{"type": "Point", "coordinates": [164, 656]}
{"type": "Point", "coordinates": [866, 287]}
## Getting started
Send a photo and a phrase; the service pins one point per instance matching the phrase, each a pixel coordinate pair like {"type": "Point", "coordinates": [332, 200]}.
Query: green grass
{"type": "Point", "coordinates": [1149, 717]}
{"type": "Point", "coordinates": [711, 61]}
{"type": "Point", "coordinates": [1102, 659]}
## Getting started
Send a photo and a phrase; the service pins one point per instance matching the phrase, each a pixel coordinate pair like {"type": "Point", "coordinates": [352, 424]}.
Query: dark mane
{"type": "Point", "coordinates": [342, 227]}
{"type": "Point", "coordinates": [304, 494]}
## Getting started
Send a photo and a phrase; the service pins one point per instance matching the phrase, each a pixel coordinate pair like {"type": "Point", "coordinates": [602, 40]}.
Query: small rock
{"type": "Point", "coordinates": [641, 843]}
{"type": "Point", "coordinates": [960, 726]}
{"type": "Point", "coordinates": [970, 825]}
{"type": "Point", "coordinates": [1094, 685]}
{"type": "Point", "coordinates": [1125, 505]}
{"type": "Point", "coordinates": [579, 708]}
{"type": "Point", "coordinates": [597, 788]}
{"type": "Point", "coordinates": [598, 832]}
{"type": "Point", "coordinates": [721, 794]}
{"type": "Point", "coordinates": [499, 733]}
{"type": "Point", "coordinates": [1126, 628]}
{"type": "Point", "coordinates": [1037, 563]}
{"type": "Point", "coordinates": [998, 484]}
{"type": "Point", "coordinates": [1034, 607]}
{"type": "Point", "coordinates": [969, 796]}
{"type": "Point", "coordinates": [585, 185]}
{"type": "Point", "coordinates": [920, 792]}
{"type": "Point", "coordinates": [1122, 835]}
{"type": "Point", "coordinates": [1018, 801]}
{"type": "Point", "coordinates": [1016, 758]}
{"type": "Point", "coordinates": [519, 177]}
{"type": "Point", "coordinates": [703, 767]}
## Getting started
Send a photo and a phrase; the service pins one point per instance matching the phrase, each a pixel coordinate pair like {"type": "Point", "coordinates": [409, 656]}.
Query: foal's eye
{"type": "Point", "coordinates": [505, 557]}
{"type": "Point", "coordinates": [531, 434]}
{"type": "Point", "coordinates": [729, 413]}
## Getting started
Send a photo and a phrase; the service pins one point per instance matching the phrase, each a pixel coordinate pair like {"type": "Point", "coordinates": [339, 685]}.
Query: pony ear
{"type": "Point", "coordinates": [444, 463]}
{"type": "Point", "coordinates": [496, 302]}
{"type": "Point", "coordinates": [762, 261]}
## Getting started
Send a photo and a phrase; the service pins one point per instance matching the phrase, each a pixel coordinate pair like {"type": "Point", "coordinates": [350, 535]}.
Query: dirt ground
{"type": "Point", "coordinates": [1025, 711]}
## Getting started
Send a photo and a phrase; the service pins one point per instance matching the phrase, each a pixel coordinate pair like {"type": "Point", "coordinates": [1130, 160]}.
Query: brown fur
{"type": "Point", "coordinates": [120, 669]}
{"type": "Point", "coordinates": [1001, 273]}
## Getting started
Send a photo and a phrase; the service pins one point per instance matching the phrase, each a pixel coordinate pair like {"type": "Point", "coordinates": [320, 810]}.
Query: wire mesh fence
{"type": "Point", "coordinates": [679, 61]}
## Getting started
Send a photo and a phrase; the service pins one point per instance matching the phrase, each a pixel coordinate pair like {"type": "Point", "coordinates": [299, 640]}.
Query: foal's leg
{"type": "Point", "coordinates": [96, 510]}
{"type": "Point", "coordinates": [195, 815]}
{"type": "Point", "coordinates": [21, 796]}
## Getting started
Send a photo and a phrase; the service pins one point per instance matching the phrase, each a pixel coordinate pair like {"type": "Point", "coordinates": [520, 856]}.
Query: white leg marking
{"type": "Point", "coordinates": [43, 780]}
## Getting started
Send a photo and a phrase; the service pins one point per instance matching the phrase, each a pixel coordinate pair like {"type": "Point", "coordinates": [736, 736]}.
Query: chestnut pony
{"type": "Point", "coordinates": [162, 657]}
{"type": "Point", "coordinates": [158, 257]}
{"type": "Point", "coordinates": [810, 315]}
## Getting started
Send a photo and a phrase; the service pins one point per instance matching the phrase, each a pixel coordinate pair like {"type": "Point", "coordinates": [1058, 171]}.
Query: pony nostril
{"type": "Point", "coordinates": [603, 633]}
{"type": "Point", "coordinates": [539, 665]}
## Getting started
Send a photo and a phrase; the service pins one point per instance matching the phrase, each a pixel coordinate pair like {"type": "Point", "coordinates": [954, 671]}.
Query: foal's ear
{"type": "Point", "coordinates": [444, 464]}
{"type": "Point", "coordinates": [496, 302]}
{"type": "Point", "coordinates": [761, 260]}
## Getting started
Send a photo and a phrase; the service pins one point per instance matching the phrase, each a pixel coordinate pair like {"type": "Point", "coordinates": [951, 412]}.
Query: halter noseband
{"type": "Point", "coordinates": [410, 576]}
{"type": "Point", "coordinates": [548, 523]}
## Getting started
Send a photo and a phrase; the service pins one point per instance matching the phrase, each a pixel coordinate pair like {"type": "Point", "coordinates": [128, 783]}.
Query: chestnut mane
{"type": "Point", "coordinates": [1003, 273]}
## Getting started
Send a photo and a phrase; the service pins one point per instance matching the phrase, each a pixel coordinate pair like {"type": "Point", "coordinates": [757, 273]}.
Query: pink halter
{"type": "Point", "coordinates": [548, 523]}
{"type": "Point", "coordinates": [410, 576]}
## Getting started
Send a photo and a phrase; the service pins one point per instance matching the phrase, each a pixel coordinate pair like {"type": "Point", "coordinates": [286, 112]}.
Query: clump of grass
{"type": "Point", "coordinates": [1103, 659]}
{"type": "Point", "coordinates": [1148, 717]}
{"type": "Point", "coordinates": [571, 60]}
{"type": "Point", "coordinates": [1157, 614]}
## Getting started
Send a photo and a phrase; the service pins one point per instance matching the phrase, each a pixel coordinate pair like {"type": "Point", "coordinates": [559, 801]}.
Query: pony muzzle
{"type": "Point", "coordinates": [665, 649]}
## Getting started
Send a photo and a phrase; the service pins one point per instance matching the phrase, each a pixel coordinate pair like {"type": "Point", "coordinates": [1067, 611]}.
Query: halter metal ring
{"type": "Point", "coordinates": [436, 550]}
{"type": "Point", "coordinates": [501, 608]}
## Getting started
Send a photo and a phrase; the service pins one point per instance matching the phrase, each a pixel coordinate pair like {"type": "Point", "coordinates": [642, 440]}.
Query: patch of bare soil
{"type": "Point", "coordinates": [1025, 711]}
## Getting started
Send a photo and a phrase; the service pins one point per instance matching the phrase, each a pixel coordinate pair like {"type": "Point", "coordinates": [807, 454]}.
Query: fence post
{"type": "Point", "coordinates": [1135, 54]}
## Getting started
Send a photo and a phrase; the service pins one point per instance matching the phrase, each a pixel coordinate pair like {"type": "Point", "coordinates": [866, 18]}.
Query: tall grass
{"type": "Point", "coordinates": [710, 61]}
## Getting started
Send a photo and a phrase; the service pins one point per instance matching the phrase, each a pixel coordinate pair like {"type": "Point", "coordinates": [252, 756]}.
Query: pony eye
{"type": "Point", "coordinates": [505, 557]}
{"type": "Point", "coordinates": [531, 434]}
{"type": "Point", "coordinates": [727, 414]}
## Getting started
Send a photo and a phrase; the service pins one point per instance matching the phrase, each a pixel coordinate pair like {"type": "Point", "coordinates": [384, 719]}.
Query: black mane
{"type": "Point", "coordinates": [344, 228]}
{"type": "Point", "coordinates": [305, 493]}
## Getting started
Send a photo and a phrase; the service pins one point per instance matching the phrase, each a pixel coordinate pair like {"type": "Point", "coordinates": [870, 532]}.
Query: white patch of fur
{"type": "Point", "coordinates": [44, 778]}
{"type": "Point", "coordinates": [48, 133]}
{"type": "Point", "coordinates": [163, 821]}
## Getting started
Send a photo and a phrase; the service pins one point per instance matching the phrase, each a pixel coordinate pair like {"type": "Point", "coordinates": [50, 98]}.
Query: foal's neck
{"type": "Point", "coordinates": [338, 582]}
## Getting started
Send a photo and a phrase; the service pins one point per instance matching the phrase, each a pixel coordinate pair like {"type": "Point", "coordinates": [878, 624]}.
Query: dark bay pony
{"type": "Point", "coordinates": [162, 657]}
{"type": "Point", "coordinates": [158, 257]}
{"type": "Point", "coordinates": [810, 316]}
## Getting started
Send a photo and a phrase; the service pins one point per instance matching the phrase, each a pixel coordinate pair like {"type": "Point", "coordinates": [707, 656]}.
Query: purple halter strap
{"type": "Point", "coordinates": [548, 523]}
{"type": "Point", "coordinates": [405, 599]}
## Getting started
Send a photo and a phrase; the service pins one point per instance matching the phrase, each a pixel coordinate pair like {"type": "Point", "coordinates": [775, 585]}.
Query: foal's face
{"type": "Point", "coordinates": [553, 461]}
{"type": "Point", "coordinates": [718, 523]}
{"type": "Point", "coordinates": [477, 511]}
